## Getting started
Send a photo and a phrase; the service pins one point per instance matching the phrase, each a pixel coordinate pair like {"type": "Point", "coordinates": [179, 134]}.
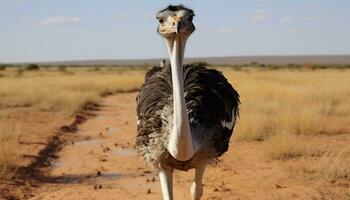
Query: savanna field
{"type": "Point", "coordinates": [297, 120]}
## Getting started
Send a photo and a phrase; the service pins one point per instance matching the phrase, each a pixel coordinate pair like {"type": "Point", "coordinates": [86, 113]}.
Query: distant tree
{"type": "Point", "coordinates": [96, 68]}
{"type": "Point", "coordinates": [32, 67]}
{"type": "Point", "coordinates": [292, 65]}
{"type": "Point", "coordinates": [254, 63]}
{"type": "Point", "coordinates": [262, 65]}
{"type": "Point", "coordinates": [3, 67]}
{"type": "Point", "coordinates": [62, 68]}
{"type": "Point", "coordinates": [110, 68]}
{"type": "Point", "coordinates": [199, 63]}
{"type": "Point", "coordinates": [236, 67]}
{"type": "Point", "coordinates": [19, 72]}
{"type": "Point", "coordinates": [273, 67]}
{"type": "Point", "coordinates": [45, 66]}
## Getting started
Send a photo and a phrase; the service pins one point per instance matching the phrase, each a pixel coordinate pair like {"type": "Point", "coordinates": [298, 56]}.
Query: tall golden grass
{"type": "Point", "coordinates": [9, 135]}
{"type": "Point", "coordinates": [63, 92]}
{"type": "Point", "coordinates": [296, 102]}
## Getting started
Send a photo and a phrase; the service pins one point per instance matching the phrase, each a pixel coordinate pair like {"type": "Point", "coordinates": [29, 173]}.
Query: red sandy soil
{"type": "Point", "coordinates": [98, 162]}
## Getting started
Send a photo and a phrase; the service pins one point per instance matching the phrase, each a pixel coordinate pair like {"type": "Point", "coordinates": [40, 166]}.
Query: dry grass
{"type": "Point", "coordinates": [9, 135]}
{"type": "Point", "coordinates": [284, 147]}
{"type": "Point", "coordinates": [297, 102]}
{"type": "Point", "coordinates": [63, 92]}
{"type": "Point", "coordinates": [330, 165]}
{"type": "Point", "coordinates": [51, 91]}
{"type": "Point", "coordinates": [288, 146]}
{"type": "Point", "coordinates": [310, 156]}
{"type": "Point", "coordinates": [335, 165]}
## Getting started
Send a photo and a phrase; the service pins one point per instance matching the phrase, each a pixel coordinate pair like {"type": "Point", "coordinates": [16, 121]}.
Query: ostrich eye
{"type": "Point", "coordinates": [161, 21]}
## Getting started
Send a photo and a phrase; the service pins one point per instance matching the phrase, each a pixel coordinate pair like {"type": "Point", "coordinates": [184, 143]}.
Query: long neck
{"type": "Point", "coordinates": [180, 141]}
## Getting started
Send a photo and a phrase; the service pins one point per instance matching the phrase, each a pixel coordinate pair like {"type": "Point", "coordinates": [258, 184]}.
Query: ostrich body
{"type": "Point", "coordinates": [186, 113]}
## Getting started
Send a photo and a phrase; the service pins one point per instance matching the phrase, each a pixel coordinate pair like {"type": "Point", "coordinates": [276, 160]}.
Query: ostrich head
{"type": "Point", "coordinates": [175, 26]}
{"type": "Point", "coordinates": [175, 20]}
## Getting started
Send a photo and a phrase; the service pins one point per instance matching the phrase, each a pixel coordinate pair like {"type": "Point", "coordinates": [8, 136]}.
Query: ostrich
{"type": "Point", "coordinates": [186, 113]}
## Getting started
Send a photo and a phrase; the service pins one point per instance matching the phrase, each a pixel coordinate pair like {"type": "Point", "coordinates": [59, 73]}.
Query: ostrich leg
{"type": "Point", "coordinates": [197, 186]}
{"type": "Point", "coordinates": [166, 183]}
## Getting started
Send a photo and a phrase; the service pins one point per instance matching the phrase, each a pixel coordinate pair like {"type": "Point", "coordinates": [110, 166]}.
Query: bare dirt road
{"type": "Point", "coordinates": [99, 162]}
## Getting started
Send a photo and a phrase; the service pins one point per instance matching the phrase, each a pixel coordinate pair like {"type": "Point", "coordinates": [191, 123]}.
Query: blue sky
{"type": "Point", "coordinates": [51, 30]}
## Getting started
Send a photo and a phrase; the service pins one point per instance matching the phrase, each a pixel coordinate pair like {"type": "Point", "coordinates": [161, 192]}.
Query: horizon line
{"type": "Point", "coordinates": [160, 58]}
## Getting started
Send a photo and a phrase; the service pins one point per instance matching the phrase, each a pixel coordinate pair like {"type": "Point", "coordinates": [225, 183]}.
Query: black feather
{"type": "Point", "coordinates": [152, 72]}
{"type": "Point", "coordinates": [173, 8]}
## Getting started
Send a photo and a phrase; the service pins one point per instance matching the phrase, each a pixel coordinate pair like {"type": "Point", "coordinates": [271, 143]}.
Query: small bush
{"type": "Point", "coordinates": [9, 135]}
{"type": "Point", "coordinates": [199, 63]}
{"type": "Point", "coordinates": [32, 67]}
{"type": "Point", "coordinates": [45, 66]}
{"type": "Point", "coordinates": [3, 67]}
{"type": "Point", "coordinates": [335, 165]}
{"type": "Point", "coordinates": [96, 68]}
{"type": "Point", "coordinates": [19, 72]}
{"type": "Point", "coordinates": [254, 63]}
{"type": "Point", "coordinates": [294, 66]}
{"type": "Point", "coordinates": [62, 68]}
{"type": "Point", "coordinates": [284, 147]}
{"type": "Point", "coordinates": [236, 67]}
{"type": "Point", "coordinates": [273, 67]}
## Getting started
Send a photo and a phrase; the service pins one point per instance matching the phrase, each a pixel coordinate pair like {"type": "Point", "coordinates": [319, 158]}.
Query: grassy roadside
{"type": "Point", "coordinates": [56, 94]}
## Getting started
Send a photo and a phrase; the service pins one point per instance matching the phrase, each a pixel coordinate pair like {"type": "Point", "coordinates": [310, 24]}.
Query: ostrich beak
{"type": "Point", "coordinates": [176, 24]}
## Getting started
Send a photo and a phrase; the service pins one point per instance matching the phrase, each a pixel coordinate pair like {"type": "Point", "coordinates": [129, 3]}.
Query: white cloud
{"type": "Point", "coordinates": [286, 20]}
{"type": "Point", "coordinates": [125, 15]}
{"type": "Point", "coordinates": [227, 31]}
{"type": "Point", "coordinates": [292, 30]}
{"type": "Point", "coordinates": [318, 13]}
{"type": "Point", "coordinates": [260, 15]}
{"type": "Point", "coordinates": [59, 20]}
{"type": "Point", "coordinates": [315, 18]}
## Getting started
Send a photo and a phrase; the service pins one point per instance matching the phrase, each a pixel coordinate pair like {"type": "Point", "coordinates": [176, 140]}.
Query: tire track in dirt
{"type": "Point", "coordinates": [100, 162]}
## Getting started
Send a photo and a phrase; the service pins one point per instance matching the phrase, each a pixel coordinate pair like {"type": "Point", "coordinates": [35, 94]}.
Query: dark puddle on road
{"type": "Point", "coordinates": [112, 129]}
{"type": "Point", "coordinates": [113, 175]}
{"type": "Point", "coordinates": [56, 164]}
{"type": "Point", "coordinates": [141, 186]}
{"type": "Point", "coordinates": [104, 116]}
{"type": "Point", "coordinates": [102, 175]}
{"type": "Point", "coordinates": [100, 117]}
{"type": "Point", "coordinates": [82, 143]}
{"type": "Point", "coordinates": [72, 178]}
{"type": "Point", "coordinates": [124, 152]}
{"type": "Point", "coordinates": [88, 178]}
{"type": "Point", "coordinates": [94, 142]}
